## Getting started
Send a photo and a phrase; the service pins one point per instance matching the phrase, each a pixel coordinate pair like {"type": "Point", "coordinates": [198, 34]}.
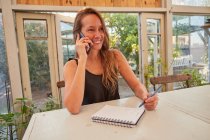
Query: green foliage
{"type": "Point", "coordinates": [123, 30]}
{"type": "Point", "coordinates": [197, 78]}
{"type": "Point", "coordinates": [6, 121]}
{"type": "Point", "coordinates": [3, 62]}
{"type": "Point", "coordinates": [181, 29]}
{"type": "Point", "coordinates": [35, 28]}
{"type": "Point", "coordinates": [176, 52]}
{"type": "Point", "coordinates": [148, 73]}
{"type": "Point", "coordinates": [19, 120]}
{"type": "Point", "coordinates": [37, 51]}
{"type": "Point", "coordinates": [38, 63]}
{"type": "Point", "coordinates": [50, 104]}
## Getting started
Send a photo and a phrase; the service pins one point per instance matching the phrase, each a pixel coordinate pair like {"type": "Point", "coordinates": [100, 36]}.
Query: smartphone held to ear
{"type": "Point", "coordinates": [87, 47]}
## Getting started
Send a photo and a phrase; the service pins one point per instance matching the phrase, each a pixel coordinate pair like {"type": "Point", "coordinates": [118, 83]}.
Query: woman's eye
{"type": "Point", "coordinates": [90, 29]}
{"type": "Point", "coordinates": [102, 29]}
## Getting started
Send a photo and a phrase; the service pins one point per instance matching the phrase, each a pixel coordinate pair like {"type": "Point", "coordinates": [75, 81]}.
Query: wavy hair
{"type": "Point", "coordinates": [109, 76]}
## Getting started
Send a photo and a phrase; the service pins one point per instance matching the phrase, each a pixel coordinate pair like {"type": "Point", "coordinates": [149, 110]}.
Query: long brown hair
{"type": "Point", "coordinates": [109, 76]}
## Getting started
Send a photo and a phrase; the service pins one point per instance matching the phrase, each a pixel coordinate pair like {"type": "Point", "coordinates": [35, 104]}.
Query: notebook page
{"type": "Point", "coordinates": [119, 114]}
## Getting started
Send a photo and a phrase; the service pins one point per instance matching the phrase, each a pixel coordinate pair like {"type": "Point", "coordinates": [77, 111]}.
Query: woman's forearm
{"type": "Point", "coordinates": [141, 91]}
{"type": "Point", "coordinates": [74, 92]}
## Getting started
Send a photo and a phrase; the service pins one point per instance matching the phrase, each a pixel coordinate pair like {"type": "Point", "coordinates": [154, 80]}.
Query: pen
{"type": "Point", "coordinates": [155, 92]}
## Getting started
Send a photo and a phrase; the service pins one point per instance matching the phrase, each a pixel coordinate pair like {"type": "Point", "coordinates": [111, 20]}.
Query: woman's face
{"type": "Point", "coordinates": [93, 29]}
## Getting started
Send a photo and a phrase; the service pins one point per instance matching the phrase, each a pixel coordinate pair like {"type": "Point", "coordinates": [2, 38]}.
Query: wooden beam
{"type": "Point", "coordinates": [100, 3]}
{"type": "Point", "coordinates": [11, 49]}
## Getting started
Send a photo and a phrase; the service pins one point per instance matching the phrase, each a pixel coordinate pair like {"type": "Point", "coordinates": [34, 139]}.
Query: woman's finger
{"type": "Point", "coordinates": [77, 37]}
{"type": "Point", "coordinates": [152, 99]}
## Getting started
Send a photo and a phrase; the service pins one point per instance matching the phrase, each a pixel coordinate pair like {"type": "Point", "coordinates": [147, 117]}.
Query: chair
{"type": "Point", "coordinates": [171, 79]}
{"type": "Point", "coordinates": [60, 84]}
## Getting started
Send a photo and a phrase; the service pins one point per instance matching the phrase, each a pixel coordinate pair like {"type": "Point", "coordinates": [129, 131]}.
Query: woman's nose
{"type": "Point", "coordinates": [98, 34]}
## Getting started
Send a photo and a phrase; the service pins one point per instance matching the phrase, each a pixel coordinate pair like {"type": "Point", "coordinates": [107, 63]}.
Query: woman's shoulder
{"type": "Point", "coordinates": [71, 63]}
{"type": "Point", "coordinates": [117, 53]}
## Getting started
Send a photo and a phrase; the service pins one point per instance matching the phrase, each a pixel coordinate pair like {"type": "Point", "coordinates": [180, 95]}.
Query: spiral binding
{"type": "Point", "coordinates": [110, 121]}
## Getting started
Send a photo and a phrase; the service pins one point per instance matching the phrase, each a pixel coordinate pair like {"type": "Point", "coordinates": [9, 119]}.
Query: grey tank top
{"type": "Point", "coordinates": [95, 91]}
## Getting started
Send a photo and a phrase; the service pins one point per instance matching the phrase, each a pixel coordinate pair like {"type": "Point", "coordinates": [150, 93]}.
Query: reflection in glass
{"type": "Point", "coordinates": [35, 28]}
{"type": "Point", "coordinates": [191, 46]}
{"type": "Point", "coordinates": [39, 69]}
{"type": "Point", "coordinates": [67, 41]}
{"type": "Point", "coordinates": [66, 30]}
{"type": "Point", "coordinates": [4, 76]}
{"type": "Point", "coordinates": [153, 26]}
{"type": "Point", "coordinates": [69, 50]}
{"type": "Point", "coordinates": [154, 59]}
{"type": "Point", "coordinates": [191, 2]}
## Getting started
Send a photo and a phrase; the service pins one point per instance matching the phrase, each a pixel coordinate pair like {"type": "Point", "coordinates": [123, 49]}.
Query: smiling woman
{"type": "Point", "coordinates": [93, 77]}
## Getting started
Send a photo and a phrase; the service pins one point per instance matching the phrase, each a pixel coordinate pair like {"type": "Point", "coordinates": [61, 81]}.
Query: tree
{"type": "Point", "coordinates": [38, 63]}
{"type": "Point", "coordinates": [37, 51]}
{"type": "Point", "coordinates": [3, 60]}
{"type": "Point", "coordinates": [123, 29]}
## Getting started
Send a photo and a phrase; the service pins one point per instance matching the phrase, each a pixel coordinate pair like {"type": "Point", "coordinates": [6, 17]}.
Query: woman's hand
{"type": "Point", "coordinates": [81, 45]}
{"type": "Point", "coordinates": [150, 102]}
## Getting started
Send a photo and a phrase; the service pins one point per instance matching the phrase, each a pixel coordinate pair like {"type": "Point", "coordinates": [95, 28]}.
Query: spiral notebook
{"type": "Point", "coordinates": [119, 116]}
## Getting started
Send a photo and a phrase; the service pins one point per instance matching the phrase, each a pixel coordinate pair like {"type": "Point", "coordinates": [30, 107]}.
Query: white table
{"type": "Point", "coordinates": [180, 115]}
{"type": "Point", "coordinates": [194, 101]}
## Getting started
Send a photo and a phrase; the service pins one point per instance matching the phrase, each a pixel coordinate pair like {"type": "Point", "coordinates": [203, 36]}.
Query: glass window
{"type": "Point", "coordinates": [123, 31]}
{"type": "Point", "coordinates": [35, 28]}
{"type": "Point", "coordinates": [191, 43]}
{"type": "Point", "coordinates": [5, 95]}
{"type": "Point", "coordinates": [67, 41]}
{"type": "Point", "coordinates": [153, 26]}
{"type": "Point", "coordinates": [38, 60]}
{"type": "Point", "coordinates": [191, 2]}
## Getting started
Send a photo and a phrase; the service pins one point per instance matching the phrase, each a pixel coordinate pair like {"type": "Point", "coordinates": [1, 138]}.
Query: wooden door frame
{"type": "Point", "coordinates": [58, 19]}
{"type": "Point", "coordinates": [52, 51]}
{"type": "Point", "coordinates": [144, 43]}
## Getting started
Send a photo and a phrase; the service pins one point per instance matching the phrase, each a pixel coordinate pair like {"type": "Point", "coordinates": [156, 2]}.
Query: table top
{"type": "Point", "coordinates": [181, 114]}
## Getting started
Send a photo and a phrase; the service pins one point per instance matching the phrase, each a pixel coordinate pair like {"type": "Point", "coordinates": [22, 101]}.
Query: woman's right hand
{"type": "Point", "coordinates": [81, 44]}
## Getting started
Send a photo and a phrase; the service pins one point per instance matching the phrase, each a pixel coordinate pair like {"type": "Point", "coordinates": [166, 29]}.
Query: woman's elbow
{"type": "Point", "coordinates": [74, 111]}
{"type": "Point", "coordinates": [72, 108]}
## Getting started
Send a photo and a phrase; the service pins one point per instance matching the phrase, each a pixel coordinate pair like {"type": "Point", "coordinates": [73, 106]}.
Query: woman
{"type": "Point", "coordinates": [93, 76]}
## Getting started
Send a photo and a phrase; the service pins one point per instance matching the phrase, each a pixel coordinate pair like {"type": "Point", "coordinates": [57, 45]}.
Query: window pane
{"type": "Point", "coordinates": [35, 28]}
{"type": "Point", "coordinates": [191, 43]}
{"type": "Point", "coordinates": [4, 77]}
{"type": "Point", "coordinates": [154, 54]}
{"type": "Point", "coordinates": [123, 31]}
{"type": "Point", "coordinates": [191, 2]}
{"type": "Point", "coordinates": [69, 50]}
{"type": "Point", "coordinates": [66, 30]}
{"type": "Point", "coordinates": [39, 69]}
{"type": "Point", "coordinates": [153, 26]}
{"type": "Point", "coordinates": [67, 41]}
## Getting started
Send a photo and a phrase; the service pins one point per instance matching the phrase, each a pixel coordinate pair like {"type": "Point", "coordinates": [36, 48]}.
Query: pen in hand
{"type": "Point", "coordinates": [155, 92]}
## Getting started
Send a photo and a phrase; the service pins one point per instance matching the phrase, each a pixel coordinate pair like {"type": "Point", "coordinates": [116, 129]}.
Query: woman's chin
{"type": "Point", "coordinates": [97, 46]}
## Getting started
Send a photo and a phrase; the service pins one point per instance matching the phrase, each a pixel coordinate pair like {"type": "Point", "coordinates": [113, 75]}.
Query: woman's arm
{"type": "Point", "coordinates": [74, 77]}
{"type": "Point", "coordinates": [137, 87]}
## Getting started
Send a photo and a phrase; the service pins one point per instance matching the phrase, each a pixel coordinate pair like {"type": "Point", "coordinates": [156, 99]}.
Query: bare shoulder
{"type": "Point", "coordinates": [117, 54]}
{"type": "Point", "coordinates": [70, 66]}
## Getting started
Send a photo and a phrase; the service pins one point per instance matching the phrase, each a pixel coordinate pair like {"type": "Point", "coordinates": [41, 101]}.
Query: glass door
{"type": "Point", "coordinates": [152, 46]}
{"type": "Point", "coordinates": [65, 43]}
{"type": "Point", "coordinates": [38, 55]}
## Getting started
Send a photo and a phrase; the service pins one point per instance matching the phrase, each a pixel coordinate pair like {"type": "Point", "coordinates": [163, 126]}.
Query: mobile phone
{"type": "Point", "coordinates": [87, 47]}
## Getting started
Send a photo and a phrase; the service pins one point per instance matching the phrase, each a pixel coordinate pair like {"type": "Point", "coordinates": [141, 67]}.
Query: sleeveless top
{"type": "Point", "coordinates": [95, 91]}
